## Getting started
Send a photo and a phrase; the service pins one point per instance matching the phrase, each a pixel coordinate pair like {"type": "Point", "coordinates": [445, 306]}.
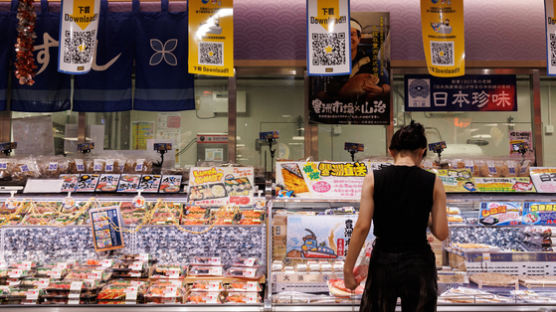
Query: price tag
{"type": "Point", "coordinates": [139, 166]}
{"type": "Point", "coordinates": [97, 165]}
{"type": "Point", "coordinates": [73, 301]}
{"type": "Point", "coordinates": [136, 266]}
{"type": "Point", "coordinates": [76, 286]}
{"type": "Point", "coordinates": [106, 263]}
{"type": "Point", "coordinates": [170, 292]}
{"type": "Point", "coordinates": [212, 297]}
{"type": "Point", "coordinates": [24, 168]}
{"type": "Point", "coordinates": [55, 274]}
{"type": "Point", "coordinates": [250, 261]}
{"type": "Point", "coordinates": [131, 294]}
{"type": "Point", "coordinates": [15, 273]}
{"type": "Point", "coordinates": [136, 284]}
{"type": "Point", "coordinates": [251, 298]}
{"type": "Point", "coordinates": [3, 264]}
{"type": "Point", "coordinates": [215, 261]}
{"type": "Point", "coordinates": [3, 165]}
{"type": "Point", "coordinates": [144, 257]}
{"type": "Point", "coordinates": [74, 296]}
{"type": "Point", "coordinates": [174, 273]}
{"type": "Point", "coordinates": [213, 285]}
{"type": "Point", "coordinates": [26, 265]}
{"type": "Point", "coordinates": [252, 286]}
{"type": "Point", "coordinates": [61, 265]}
{"type": "Point", "coordinates": [53, 166]}
{"type": "Point", "coordinates": [175, 283]}
{"type": "Point", "coordinates": [79, 165]}
{"type": "Point", "coordinates": [215, 271]}
{"type": "Point", "coordinates": [14, 283]}
{"type": "Point", "coordinates": [96, 275]}
{"type": "Point", "coordinates": [43, 283]}
{"type": "Point", "coordinates": [32, 294]}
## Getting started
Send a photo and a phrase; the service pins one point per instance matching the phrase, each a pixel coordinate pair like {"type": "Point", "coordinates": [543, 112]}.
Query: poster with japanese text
{"type": "Point", "coordinates": [78, 35]}
{"type": "Point", "coordinates": [211, 37]}
{"type": "Point", "coordinates": [500, 213]}
{"type": "Point", "coordinates": [363, 96]}
{"type": "Point", "coordinates": [539, 213]}
{"type": "Point", "coordinates": [521, 145]}
{"type": "Point", "coordinates": [106, 226]}
{"type": "Point", "coordinates": [216, 186]}
{"type": "Point", "coordinates": [319, 237]}
{"type": "Point", "coordinates": [504, 185]}
{"type": "Point", "coordinates": [443, 37]}
{"type": "Point", "coordinates": [456, 180]}
{"type": "Point", "coordinates": [328, 39]}
{"type": "Point", "coordinates": [468, 93]}
{"type": "Point", "coordinates": [544, 179]}
{"type": "Point", "coordinates": [140, 133]}
{"type": "Point", "coordinates": [550, 29]}
{"type": "Point", "coordinates": [322, 180]}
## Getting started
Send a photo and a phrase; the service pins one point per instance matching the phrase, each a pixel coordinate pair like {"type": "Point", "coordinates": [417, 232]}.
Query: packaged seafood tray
{"type": "Point", "coordinates": [225, 215]}
{"type": "Point", "coordinates": [165, 292]}
{"type": "Point", "coordinates": [241, 297]}
{"type": "Point", "coordinates": [251, 273]}
{"type": "Point", "coordinates": [252, 217]}
{"type": "Point", "coordinates": [168, 271]}
{"type": "Point", "coordinates": [246, 262]}
{"type": "Point", "coordinates": [166, 213]}
{"type": "Point", "coordinates": [207, 261]}
{"type": "Point", "coordinates": [202, 285]}
{"type": "Point", "coordinates": [243, 286]}
{"type": "Point", "coordinates": [127, 269]}
{"type": "Point", "coordinates": [33, 282]}
{"type": "Point", "coordinates": [19, 296]}
{"type": "Point", "coordinates": [204, 297]}
{"type": "Point", "coordinates": [132, 215]}
{"type": "Point", "coordinates": [206, 270]}
{"type": "Point", "coordinates": [52, 271]}
{"type": "Point", "coordinates": [123, 290]}
{"type": "Point", "coordinates": [195, 215]}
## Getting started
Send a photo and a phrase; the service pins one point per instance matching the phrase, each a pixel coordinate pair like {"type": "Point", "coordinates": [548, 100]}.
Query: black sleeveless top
{"type": "Point", "coordinates": [403, 199]}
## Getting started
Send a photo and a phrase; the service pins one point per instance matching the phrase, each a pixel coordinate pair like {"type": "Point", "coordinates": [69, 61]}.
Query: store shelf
{"type": "Point", "coordinates": [441, 308]}
{"type": "Point", "coordinates": [133, 307]}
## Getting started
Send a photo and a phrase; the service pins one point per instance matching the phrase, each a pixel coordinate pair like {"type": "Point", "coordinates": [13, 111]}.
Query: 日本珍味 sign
{"type": "Point", "coordinates": [468, 93]}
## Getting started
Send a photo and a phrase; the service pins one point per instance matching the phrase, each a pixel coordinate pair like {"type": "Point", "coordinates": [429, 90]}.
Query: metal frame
{"type": "Point", "coordinates": [232, 117]}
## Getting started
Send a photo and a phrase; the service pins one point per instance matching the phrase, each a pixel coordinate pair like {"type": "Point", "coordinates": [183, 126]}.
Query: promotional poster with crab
{"type": "Point", "coordinates": [322, 180]}
{"type": "Point", "coordinates": [320, 237]}
{"type": "Point", "coordinates": [215, 186]}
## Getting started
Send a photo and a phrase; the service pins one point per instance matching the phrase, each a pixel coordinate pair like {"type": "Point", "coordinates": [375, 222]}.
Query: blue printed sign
{"type": "Point", "coordinates": [106, 224]}
{"type": "Point", "coordinates": [466, 93]}
{"type": "Point", "coordinates": [539, 213]}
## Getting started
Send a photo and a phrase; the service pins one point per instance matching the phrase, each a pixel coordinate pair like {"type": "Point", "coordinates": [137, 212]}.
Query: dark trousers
{"type": "Point", "coordinates": [409, 275]}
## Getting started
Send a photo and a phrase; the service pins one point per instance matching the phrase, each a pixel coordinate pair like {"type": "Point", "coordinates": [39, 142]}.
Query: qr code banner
{"type": "Point", "coordinates": [211, 38]}
{"type": "Point", "coordinates": [550, 20]}
{"type": "Point", "coordinates": [443, 37]}
{"type": "Point", "coordinates": [328, 36]}
{"type": "Point", "coordinates": [78, 36]}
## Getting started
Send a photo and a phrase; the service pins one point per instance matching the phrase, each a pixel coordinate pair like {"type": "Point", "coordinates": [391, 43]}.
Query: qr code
{"type": "Point", "coordinates": [211, 53]}
{"type": "Point", "coordinates": [442, 53]}
{"type": "Point", "coordinates": [553, 49]}
{"type": "Point", "coordinates": [78, 46]}
{"type": "Point", "coordinates": [329, 49]}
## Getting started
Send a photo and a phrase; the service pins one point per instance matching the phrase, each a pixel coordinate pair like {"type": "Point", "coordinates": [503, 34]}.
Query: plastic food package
{"type": "Point", "coordinates": [244, 286]}
{"type": "Point", "coordinates": [207, 286]}
{"type": "Point", "coordinates": [204, 297]}
{"type": "Point", "coordinates": [246, 262]}
{"type": "Point", "coordinates": [204, 270]}
{"type": "Point", "coordinates": [243, 272]}
{"type": "Point", "coordinates": [207, 261]}
{"type": "Point", "coordinates": [6, 169]}
{"type": "Point", "coordinates": [243, 297]}
{"type": "Point", "coordinates": [165, 292]}
{"type": "Point", "coordinates": [173, 271]}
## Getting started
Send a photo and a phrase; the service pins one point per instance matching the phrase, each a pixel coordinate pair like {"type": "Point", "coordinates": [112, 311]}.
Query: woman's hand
{"type": "Point", "coordinates": [349, 280]}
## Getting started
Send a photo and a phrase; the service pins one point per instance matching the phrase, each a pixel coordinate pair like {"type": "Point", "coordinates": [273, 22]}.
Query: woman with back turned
{"type": "Point", "coordinates": [401, 200]}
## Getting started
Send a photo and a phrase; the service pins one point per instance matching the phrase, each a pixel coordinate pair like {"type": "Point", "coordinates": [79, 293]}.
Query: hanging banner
{"type": "Point", "coordinates": [544, 179]}
{"type": "Point", "coordinates": [468, 93]}
{"type": "Point", "coordinates": [328, 39]}
{"type": "Point", "coordinates": [550, 29]}
{"type": "Point", "coordinates": [8, 23]}
{"type": "Point", "coordinates": [443, 37]}
{"type": "Point", "coordinates": [504, 185]}
{"type": "Point", "coordinates": [106, 228]}
{"type": "Point", "coordinates": [456, 180]}
{"type": "Point", "coordinates": [217, 186]}
{"type": "Point", "coordinates": [362, 97]}
{"type": "Point", "coordinates": [211, 37]}
{"type": "Point", "coordinates": [79, 28]}
{"type": "Point", "coordinates": [322, 180]}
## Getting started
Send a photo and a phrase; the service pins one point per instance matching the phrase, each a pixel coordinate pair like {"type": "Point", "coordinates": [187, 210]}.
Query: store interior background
{"type": "Point", "coordinates": [275, 101]}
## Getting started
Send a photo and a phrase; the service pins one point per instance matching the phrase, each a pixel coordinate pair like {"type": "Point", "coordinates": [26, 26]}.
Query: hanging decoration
{"type": "Point", "coordinates": [25, 63]}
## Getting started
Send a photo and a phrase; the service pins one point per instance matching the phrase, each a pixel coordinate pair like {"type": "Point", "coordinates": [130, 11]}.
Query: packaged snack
{"type": "Point", "coordinates": [6, 168]}
{"type": "Point", "coordinates": [524, 168]}
{"type": "Point", "coordinates": [98, 165]}
{"type": "Point", "coordinates": [513, 168]}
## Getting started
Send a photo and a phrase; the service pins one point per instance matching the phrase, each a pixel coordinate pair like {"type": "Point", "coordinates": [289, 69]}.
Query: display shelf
{"type": "Point", "coordinates": [440, 308]}
{"type": "Point", "coordinates": [299, 203]}
{"type": "Point", "coordinates": [134, 307]}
